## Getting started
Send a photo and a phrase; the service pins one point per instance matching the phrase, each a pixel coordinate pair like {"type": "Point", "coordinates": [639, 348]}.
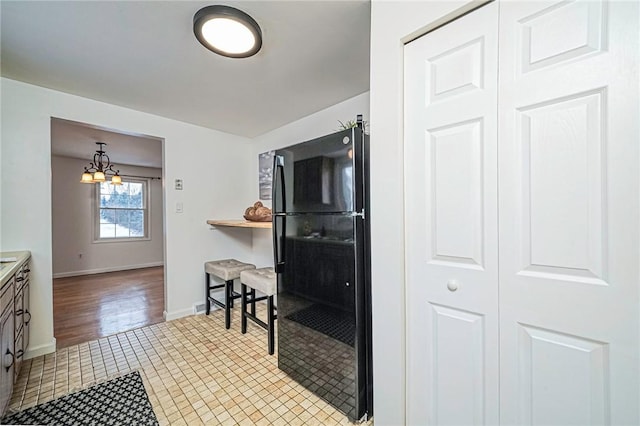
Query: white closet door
{"type": "Point", "coordinates": [569, 197]}
{"type": "Point", "coordinates": [451, 222]}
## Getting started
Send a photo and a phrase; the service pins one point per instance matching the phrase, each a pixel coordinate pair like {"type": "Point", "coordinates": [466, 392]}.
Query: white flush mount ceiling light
{"type": "Point", "coordinates": [227, 31]}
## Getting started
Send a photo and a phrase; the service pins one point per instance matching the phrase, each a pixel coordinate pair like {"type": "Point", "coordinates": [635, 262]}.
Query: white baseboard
{"type": "Point", "coordinates": [103, 270]}
{"type": "Point", "coordinates": [168, 316]}
{"type": "Point", "coordinates": [34, 351]}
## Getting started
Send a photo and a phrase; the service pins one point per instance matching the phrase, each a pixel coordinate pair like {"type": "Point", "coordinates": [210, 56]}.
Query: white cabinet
{"type": "Point", "coordinates": [7, 342]}
{"type": "Point", "coordinates": [15, 319]}
{"type": "Point", "coordinates": [22, 315]}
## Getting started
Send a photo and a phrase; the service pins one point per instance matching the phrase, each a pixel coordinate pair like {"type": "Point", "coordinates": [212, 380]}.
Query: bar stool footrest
{"type": "Point", "coordinates": [259, 321]}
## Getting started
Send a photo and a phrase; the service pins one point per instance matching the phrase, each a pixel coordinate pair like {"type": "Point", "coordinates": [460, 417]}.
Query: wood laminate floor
{"type": "Point", "coordinates": [89, 307]}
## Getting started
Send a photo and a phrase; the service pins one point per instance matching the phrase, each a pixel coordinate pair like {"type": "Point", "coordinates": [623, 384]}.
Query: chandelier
{"type": "Point", "coordinates": [100, 168]}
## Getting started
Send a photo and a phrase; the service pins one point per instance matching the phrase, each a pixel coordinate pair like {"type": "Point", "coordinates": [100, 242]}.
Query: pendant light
{"type": "Point", "coordinates": [227, 31]}
{"type": "Point", "coordinates": [100, 168]}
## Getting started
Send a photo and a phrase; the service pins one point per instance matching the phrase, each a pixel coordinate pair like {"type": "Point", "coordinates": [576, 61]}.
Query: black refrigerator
{"type": "Point", "coordinates": [321, 255]}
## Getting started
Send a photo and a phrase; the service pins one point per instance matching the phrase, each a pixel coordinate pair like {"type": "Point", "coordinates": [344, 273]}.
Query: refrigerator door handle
{"type": "Point", "coordinates": [283, 192]}
{"type": "Point", "coordinates": [278, 186]}
{"type": "Point", "coordinates": [278, 250]}
{"type": "Point", "coordinates": [279, 193]}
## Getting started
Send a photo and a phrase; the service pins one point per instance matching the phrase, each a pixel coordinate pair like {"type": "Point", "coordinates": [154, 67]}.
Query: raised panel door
{"type": "Point", "coordinates": [451, 222]}
{"type": "Point", "coordinates": [569, 196]}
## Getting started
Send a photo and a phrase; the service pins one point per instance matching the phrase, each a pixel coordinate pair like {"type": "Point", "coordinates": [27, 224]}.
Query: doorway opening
{"type": "Point", "coordinates": [107, 237]}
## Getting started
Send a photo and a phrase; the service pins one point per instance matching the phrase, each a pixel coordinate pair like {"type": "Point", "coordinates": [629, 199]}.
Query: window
{"type": "Point", "coordinates": [122, 210]}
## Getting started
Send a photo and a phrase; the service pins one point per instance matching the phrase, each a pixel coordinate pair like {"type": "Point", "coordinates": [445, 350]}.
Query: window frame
{"type": "Point", "coordinates": [146, 213]}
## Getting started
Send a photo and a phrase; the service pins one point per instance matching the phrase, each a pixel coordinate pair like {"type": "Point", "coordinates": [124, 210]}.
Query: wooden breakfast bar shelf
{"type": "Point", "coordinates": [240, 223]}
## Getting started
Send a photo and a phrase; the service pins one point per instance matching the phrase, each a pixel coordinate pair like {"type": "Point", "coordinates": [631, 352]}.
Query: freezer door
{"type": "Point", "coordinates": [318, 176]}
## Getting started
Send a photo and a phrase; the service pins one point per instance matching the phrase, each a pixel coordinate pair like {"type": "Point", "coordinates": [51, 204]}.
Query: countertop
{"type": "Point", "coordinates": [239, 223]}
{"type": "Point", "coordinates": [7, 269]}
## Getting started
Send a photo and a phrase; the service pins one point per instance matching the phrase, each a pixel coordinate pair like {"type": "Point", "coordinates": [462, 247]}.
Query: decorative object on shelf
{"type": "Point", "coordinates": [100, 168]}
{"type": "Point", "coordinates": [258, 213]}
{"type": "Point", "coordinates": [227, 31]}
{"type": "Point", "coordinates": [265, 174]}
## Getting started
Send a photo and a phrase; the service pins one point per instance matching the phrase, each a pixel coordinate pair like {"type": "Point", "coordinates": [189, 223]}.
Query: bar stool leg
{"type": "Point", "coordinates": [228, 300]}
{"type": "Point", "coordinates": [230, 284]}
{"type": "Point", "coordinates": [206, 293]}
{"type": "Point", "coordinates": [243, 311]}
{"type": "Point", "coordinates": [271, 318]}
{"type": "Point", "coordinates": [253, 301]}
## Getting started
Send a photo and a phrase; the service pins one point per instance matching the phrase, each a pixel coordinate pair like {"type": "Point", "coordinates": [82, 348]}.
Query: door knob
{"type": "Point", "coordinates": [452, 285]}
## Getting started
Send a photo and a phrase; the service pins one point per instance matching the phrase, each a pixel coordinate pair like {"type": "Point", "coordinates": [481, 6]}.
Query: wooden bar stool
{"type": "Point", "coordinates": [264, 281]}
{"type": "Point", "coordinates": [227, 270]}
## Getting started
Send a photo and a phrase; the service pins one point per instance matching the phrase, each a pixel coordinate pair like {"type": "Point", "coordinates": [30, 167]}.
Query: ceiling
{"type": "Point", "coordinates": [78, 140]}
{"type": "Point", "coordinates": [143, 55]}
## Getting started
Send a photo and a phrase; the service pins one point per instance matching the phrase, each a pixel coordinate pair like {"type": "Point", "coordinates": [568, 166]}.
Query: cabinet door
{"type": "Point", "coordinates": [27, 315]}
{"type": "Point", "coordinates": [19, 326]}
{"type": "Point", "coordinates": [7, 352]}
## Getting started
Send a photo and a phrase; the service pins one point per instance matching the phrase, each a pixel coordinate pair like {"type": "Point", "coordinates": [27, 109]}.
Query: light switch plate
{"type": "Point", "coordinates": [179, 208]}
{"type": "Point", "coordinates": [179, 184]}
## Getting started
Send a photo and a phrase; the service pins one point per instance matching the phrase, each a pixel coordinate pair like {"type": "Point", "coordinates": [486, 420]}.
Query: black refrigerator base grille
{"type": "Point", "coordinates": [328, 321]}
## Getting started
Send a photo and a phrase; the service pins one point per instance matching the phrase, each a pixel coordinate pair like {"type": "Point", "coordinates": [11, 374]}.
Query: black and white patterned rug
{"type": "Point", "coordinates": [121, 401]}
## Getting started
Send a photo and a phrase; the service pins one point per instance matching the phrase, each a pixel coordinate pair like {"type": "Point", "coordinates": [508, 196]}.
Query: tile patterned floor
{"type": "Point", "coordinates": [195, 372]}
